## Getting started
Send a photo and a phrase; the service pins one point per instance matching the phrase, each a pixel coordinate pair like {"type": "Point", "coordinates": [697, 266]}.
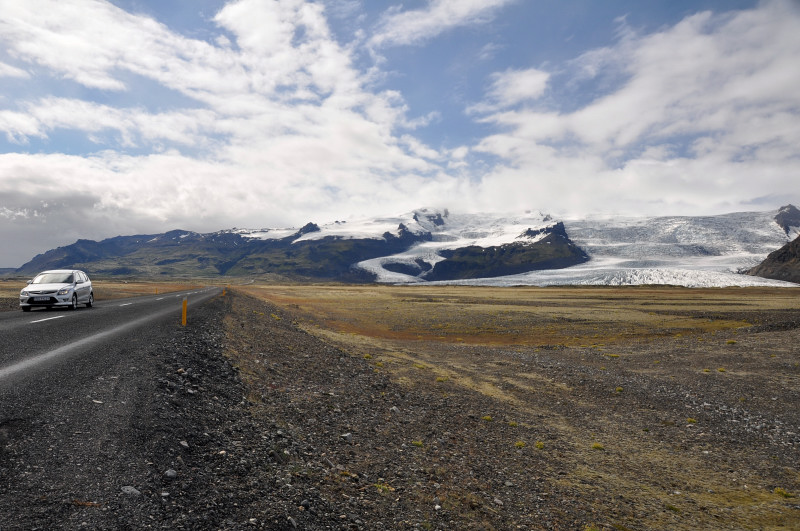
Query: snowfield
{"type": "Point", "coordinates": [692, 251]}
{"type": "Point", "coordinates": [709, 251]}
{"type": "Point", "coordinates": [595, 273]}
{"type": "Point", "coordinates": [454, 231]}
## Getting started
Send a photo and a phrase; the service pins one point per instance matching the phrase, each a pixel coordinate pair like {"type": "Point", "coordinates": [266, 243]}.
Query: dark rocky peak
{"type": "Point", "coordinates": [402, 231]}
{"type": "Point", "coordinates": [436, 218]}
{"type": "Point", "coordinates": [557, 229]}
{"type": "Point", "coordinates": [788, 216]}
{"type": "Point", "coordinates": [406, 236]}
{"type": "Point", "coordinates": [307, 228]}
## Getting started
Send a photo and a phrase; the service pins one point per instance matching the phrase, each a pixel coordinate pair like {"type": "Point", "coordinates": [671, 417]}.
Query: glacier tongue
{"type": "Point", "coordinates": [591, 275]}
{"type": "Point", "coordinates": [703, 251]}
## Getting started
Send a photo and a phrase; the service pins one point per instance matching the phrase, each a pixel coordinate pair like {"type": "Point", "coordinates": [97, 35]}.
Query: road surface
{"type": "Point", "coordinates": [36, 345]}
{"type": "Point", "coordinates": [85, 405]}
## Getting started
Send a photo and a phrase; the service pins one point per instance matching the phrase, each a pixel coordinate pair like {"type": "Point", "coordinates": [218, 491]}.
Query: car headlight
{"type": "Point", "coordinates": [23, 293]}
{"type": "Point", "coordinates": [64, 291]}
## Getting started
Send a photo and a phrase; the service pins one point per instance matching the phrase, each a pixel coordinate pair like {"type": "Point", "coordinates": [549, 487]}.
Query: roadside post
{"type": "Point", "coordinates": [183, 316]}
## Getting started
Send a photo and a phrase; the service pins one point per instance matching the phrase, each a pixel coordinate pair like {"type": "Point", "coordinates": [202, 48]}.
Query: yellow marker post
{"type": "Point", "coordinates": [183, 317]}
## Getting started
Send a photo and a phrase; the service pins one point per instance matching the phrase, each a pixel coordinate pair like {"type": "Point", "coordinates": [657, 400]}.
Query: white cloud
{"type": "Point", "coordinates": [512, 87]}
{"type": "Point", "coordinates": [283, 122]}
{"type": "Point", "coordinates": [18, 126]}
{"type": "Point", "coordinates": [715, 96]}
{"type": "Point", "coordinates": [271, 122]}
{"type": "Point", "coordinates": [12, 71]}
{"type": "Point", "coordinates": [399, 27]}
{"type": "Point", "coordinates": [289, 131]}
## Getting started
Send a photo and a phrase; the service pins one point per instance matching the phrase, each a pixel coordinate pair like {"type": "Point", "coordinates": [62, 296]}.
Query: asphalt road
{"type": "Point", "coordinates": [35, 344]}
{"type": "Point", "coordinates": [85, 409]}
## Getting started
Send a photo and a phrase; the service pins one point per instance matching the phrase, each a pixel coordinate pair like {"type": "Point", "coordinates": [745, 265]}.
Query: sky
{"type": "Point", "coordinates": [141, 116]}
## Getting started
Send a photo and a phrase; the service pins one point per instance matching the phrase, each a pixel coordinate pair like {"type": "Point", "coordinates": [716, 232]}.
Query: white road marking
{"type": "Point", "coordinates": [81, 344]}
{"type": "Point", "coordinates": [126, 304]}
{"type": "Point", "coordinates": [47, 319]}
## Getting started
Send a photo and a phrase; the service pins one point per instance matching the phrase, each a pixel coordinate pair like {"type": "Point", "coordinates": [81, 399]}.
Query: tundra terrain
{"type": "Point", "coordinates": [371, 407]}
{"type": "Point", "coordinates": [606, 408]}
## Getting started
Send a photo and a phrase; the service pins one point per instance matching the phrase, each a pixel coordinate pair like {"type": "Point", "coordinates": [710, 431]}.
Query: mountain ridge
{"type": "Point", "coordinates": [328, 252]}
{"type": "Point", "coordinates": [436, 245]}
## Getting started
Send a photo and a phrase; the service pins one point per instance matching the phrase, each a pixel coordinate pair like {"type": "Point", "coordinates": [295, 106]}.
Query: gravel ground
{"type": "Point", "coordinates": [244, 421]}
{"type": "Point", "coordinates": [653, 436]}
{"type": "Point", "coordinates": [7, 304]}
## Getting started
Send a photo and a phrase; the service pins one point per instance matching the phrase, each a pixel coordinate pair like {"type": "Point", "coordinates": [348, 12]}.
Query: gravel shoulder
{"type": "Point", "coordinates": [245, 420]}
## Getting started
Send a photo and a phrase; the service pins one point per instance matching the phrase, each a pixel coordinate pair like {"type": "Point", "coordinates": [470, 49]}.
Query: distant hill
{"type": "Point", "coordinates": [783, 264]}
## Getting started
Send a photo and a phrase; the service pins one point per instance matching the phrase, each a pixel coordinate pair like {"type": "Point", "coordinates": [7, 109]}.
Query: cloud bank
{"type": "Point", "coordinates": [114, 123]}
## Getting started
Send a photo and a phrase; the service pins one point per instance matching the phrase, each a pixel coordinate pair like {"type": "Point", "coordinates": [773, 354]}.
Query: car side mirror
{"type": "Point", "coordinates": [30, 281]}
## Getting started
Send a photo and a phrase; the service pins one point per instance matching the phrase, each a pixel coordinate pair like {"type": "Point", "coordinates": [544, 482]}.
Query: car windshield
{"type": "Point", "coordinates": [53, 278]}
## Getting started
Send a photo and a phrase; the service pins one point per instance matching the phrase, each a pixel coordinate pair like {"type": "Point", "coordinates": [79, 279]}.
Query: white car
{"type": "Point", "coordinates": [58, 288]}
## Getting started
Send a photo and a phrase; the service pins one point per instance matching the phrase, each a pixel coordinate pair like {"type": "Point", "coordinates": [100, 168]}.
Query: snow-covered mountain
{"type": "Point", "coordinates": [430, 245]}
{"type": "Point", "coordinates": [693, 251]}
{"type": "Point", "coordinates": [703, 251]}
{"type": "Point", "coordinates": [450, 232]}
{"type": "Point", "coordinates": [448, 245]}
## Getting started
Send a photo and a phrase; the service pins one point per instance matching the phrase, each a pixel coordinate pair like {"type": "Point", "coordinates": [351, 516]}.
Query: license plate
{"type": "Point", "coordinates": [41, 299]}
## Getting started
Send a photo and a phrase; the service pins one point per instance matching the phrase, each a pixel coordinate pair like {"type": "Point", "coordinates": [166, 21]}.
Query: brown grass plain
{"type": "Point", "coordinates": [654, 407]}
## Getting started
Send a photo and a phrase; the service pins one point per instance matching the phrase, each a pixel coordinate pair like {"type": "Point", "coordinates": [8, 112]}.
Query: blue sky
{"type": "Point", "coordinates": [138, 116]}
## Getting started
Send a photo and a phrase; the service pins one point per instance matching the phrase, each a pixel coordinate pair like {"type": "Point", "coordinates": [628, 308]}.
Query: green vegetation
{"type": "Point", "coordinates": [383, 488]}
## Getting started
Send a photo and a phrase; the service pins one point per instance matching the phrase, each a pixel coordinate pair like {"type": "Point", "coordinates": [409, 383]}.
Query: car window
{"type": "Point", "coordinates": [53, 278]}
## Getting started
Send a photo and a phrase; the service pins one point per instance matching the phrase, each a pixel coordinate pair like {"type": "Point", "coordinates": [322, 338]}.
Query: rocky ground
{"type": "Point", "coordinates": [7, 304]}
{"type": "Point", "coordinates": [245, 421]}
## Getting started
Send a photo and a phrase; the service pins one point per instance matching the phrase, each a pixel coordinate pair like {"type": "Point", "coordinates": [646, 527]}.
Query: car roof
{"type": "Point", "coordinates": [59, 271]}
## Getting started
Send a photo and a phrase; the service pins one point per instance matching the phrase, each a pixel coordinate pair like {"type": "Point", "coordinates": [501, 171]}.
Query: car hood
{"type": "Point", "coordinates": [46, 287]}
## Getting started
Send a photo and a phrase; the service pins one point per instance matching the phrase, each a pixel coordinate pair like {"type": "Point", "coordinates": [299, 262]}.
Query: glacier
{"type": "Point", "coordinates": [691, 251]}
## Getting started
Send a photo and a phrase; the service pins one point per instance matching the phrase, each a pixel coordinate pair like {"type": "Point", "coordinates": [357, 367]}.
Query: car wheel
{"type": "Point", "coordinates": [74, 305]}
{"type": "Point", "coordinates": [90, 301]}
